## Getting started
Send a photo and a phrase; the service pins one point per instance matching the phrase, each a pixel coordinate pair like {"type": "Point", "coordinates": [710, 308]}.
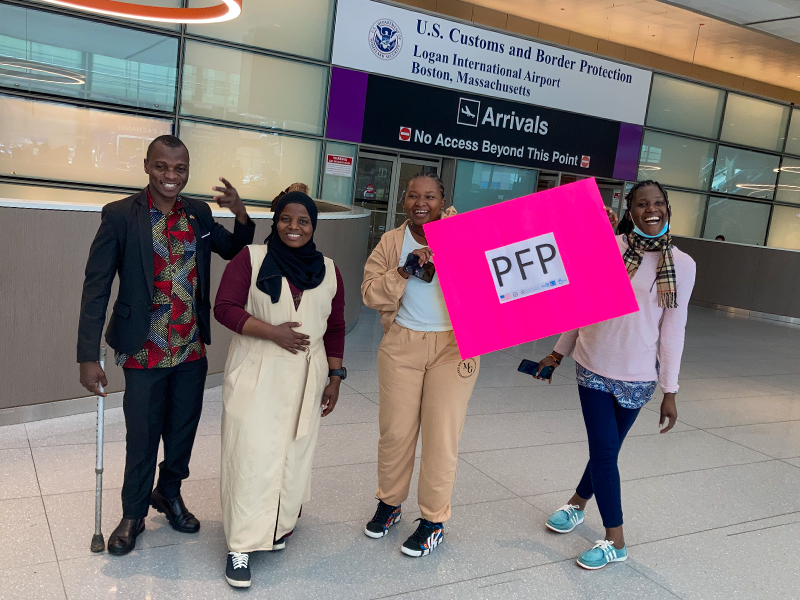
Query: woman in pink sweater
{"type": "Point", "coordinates": [620, 361]}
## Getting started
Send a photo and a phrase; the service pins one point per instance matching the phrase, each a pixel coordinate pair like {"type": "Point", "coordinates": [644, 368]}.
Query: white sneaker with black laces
{"type": "Point", "coordinates": [237, 569]}
{"type": "Point", "coordinates": [422, 542]}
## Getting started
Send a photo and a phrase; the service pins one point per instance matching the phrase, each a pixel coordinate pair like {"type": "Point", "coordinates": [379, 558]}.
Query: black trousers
{"type": "Point", "coordinates": [159, 403]}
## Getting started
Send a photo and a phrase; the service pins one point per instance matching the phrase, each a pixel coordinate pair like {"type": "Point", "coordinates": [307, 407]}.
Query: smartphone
{"type": "Point", "coordinates": [424, 272]}
{"type": "Point", "coordinates": [529, 367]}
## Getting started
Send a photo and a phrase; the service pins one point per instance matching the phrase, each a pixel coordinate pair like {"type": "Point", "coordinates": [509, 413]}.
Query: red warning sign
{"type": "Point", "coordinates": [341, 166]}
{"type": "Point", "coordinates": [585, 161]}
{"type": "Point", "coordinates": [405, 134]}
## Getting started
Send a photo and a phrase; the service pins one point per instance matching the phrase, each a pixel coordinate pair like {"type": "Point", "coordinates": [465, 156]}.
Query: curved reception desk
{"type": "Point", "coordinates": [44, 246]}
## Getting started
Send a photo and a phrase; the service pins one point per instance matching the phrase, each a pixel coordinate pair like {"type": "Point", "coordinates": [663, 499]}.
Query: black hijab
{"type": "Point", "coordinates": [304, 267]}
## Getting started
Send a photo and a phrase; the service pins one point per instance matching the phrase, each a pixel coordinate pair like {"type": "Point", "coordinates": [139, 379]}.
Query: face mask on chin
{"type": "Point", "coordinates": [652, 237]}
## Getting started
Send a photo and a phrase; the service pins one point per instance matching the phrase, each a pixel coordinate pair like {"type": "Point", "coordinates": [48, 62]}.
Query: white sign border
{"type": "Point", "coordinates": [579, 93]}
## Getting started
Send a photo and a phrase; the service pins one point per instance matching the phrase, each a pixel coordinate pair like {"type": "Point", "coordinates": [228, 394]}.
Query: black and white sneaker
{"type": "Point", "coordinates": [281, 543]}
{"type": "Point", "coordinates": [427, 536]}
{"type": "Point", "coordinates": [385, 516]}
{"type": "Point", "coordinates": [237, 569]}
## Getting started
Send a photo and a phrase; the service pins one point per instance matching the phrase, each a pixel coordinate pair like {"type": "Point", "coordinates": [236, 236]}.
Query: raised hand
{"type": "Point", "coordinates": [612, 217]}
{"type": "Point", "coordinates": [230, 199]}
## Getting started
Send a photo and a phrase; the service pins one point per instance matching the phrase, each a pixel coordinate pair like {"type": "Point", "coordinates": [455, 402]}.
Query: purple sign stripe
{"type": "Point", "coordinates": [629, 147]}
{"type": "Point", "coordinates": [346, 105]}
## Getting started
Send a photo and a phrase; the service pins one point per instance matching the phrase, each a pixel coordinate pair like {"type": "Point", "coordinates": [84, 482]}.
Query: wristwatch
{"type": "Point", "coordinates": [338, 373]}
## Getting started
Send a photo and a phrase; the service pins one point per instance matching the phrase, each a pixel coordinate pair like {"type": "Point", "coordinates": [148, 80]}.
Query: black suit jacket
{"type": "Point", "coordinates": [124, 245]}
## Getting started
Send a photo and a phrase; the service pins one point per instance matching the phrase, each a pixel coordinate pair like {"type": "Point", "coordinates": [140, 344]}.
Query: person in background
{"type": "Point", "coordinates": [298, 187]}
{"type": "Point", "coordinates": [424, 384]}
{"type": "Point", "coordinates": [160, 243]}
{"type": "Point", "coordinates": [620, 361]}
{"type": "Point", "coordinates": [719, 238]}
{"type": "Point", "coordinates": [285, 303]}
{"type": "Point", "coordinates": [295, 187]}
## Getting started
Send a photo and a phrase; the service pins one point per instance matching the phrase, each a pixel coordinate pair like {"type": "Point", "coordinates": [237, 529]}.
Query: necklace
{"type": "Point", "coordinates": [422, 235]}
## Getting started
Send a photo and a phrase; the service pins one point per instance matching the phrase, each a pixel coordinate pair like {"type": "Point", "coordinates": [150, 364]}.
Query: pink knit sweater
{"type": "Point", "coordinates": [626, 348]}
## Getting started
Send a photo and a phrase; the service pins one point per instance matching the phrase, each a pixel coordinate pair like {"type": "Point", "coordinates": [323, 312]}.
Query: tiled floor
{"type": "Point", "coordinates": [712, 510]}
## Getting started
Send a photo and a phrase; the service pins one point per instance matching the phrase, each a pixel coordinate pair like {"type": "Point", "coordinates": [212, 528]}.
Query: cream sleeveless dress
{"type": "Point", "coordinates": [271, 415]}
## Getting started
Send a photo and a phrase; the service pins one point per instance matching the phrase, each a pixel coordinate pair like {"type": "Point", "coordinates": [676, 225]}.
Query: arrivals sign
{"type": "Point", "coordinates": [393, 113]}
{"type": "Point", "coordinates": [387, 40]}
{"type": "Point", "coordinates": [528, 271]}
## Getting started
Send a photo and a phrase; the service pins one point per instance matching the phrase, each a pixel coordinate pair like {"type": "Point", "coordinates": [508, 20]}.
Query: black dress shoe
{"type": "Point", "coordinates": [123, 539]}
{"type": "Point", "coordinates": [176, 512]}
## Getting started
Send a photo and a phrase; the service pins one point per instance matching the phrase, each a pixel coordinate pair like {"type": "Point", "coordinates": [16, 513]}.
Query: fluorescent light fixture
{"type": "Point", "coordinates": [226, 11]}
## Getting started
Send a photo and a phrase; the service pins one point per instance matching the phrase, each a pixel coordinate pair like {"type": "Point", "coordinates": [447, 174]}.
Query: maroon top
{"type": "Point", "coordinates": [235, 287]}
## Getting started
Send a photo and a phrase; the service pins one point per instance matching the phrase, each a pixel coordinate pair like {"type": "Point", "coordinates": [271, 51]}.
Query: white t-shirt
{"type": "Point", "coordinates": [422, 306]}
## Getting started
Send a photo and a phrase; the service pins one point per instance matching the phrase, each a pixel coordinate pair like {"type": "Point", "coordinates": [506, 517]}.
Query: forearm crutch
{"type": "Point", "coordinates": [98, 542]}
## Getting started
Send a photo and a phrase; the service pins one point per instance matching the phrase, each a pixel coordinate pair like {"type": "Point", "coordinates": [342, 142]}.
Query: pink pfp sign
{"type": "Point", "coordinates": [530, 268]}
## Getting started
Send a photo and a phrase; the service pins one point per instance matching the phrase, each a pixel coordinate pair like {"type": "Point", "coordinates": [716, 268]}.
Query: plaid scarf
{"type": "Point", "coordinates": [665, 277]}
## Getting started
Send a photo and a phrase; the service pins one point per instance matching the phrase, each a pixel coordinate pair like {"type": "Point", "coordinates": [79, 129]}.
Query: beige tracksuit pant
{"type": "Point", "coordinates": [423, 384]}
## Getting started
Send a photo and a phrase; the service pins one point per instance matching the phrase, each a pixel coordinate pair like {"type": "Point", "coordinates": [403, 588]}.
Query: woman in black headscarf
{"type": "Point", "coordinates": [285, 303]}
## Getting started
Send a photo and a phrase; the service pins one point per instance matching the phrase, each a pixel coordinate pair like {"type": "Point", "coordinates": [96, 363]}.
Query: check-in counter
{"type": "Point", "coordinates": [44, 245]}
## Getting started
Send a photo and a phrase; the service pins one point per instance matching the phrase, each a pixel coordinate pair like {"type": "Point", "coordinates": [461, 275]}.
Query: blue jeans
{"type": "Point", "coordinates": [607, 424]}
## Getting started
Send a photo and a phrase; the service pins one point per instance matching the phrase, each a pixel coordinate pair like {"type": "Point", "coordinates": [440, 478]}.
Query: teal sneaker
{"type": "Point", "coordinates": [603, 553]}
{"type": "Point", "coordinates": [565, 519]}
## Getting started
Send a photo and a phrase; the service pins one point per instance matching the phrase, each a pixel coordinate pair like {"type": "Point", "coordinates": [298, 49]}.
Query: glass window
{"type": "Point", "coordinates": [35, 193]}
{"type": "Point", "coordinates": [480, 184]}
{"type": "Point", "coordinates": [374, 183]}
{"type": "Point", "coordinates": [685, 107]}
{"type": "Point", "coordinates": [745, 173]}
{"type": "Point", "coordinates": [611, 193]}
{"type": "Point", "coordinates": [687, 213]}
{"type": "Point", "coordinates": [56, 54]}
{"type": "Point", "coordinates": [674, 160]}
{"type": "Point", "coordinates": [231, 85]}
{"type": "Point", "coordinates": [793, 139]}
{"type": "Point", "coordinates": [784, 229]}
{"type": "Point", "coordinates": [301, 27]}
{"type": "Point", "coordinates": [789, 181]}
{"type": "Point", "coordinates": [339, 174]}
{"type": "Point", "coordinates": [739, 221]}
{"type": "Point", "coordinates": [54, 141]}
{"type": "Point", "coordinates": [258, 164]}
{"type": "Point", "coordinates": [752, 122]}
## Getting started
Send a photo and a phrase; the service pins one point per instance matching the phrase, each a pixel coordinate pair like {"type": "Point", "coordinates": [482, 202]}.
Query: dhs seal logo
{"type": "Point", "coordinates": [385, 39]}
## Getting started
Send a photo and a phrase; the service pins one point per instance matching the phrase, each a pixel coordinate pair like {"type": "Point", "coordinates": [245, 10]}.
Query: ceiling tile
{"type": "Point", "coordinates": [742, 11]}
{"type": "Point", "coordinates": [668, 29]}
{"type": "Point", "coordinates": [785, 29]}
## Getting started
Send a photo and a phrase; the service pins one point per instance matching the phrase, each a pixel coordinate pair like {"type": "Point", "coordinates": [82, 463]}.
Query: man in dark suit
{"type": "Point", "coordinates": [160, 244]}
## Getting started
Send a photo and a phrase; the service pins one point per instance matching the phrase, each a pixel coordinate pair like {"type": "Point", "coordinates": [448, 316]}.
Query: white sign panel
{"type": "Point", "coordinates": [341, 166]}
{"type": "Point", "coordinates": [387, 40]}
{"type": "Point", "coordinates": [526, 268]}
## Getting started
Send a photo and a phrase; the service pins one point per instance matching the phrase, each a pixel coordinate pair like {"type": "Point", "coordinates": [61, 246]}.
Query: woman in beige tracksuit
{"type": "Point", "coordinates": [424, 384]}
